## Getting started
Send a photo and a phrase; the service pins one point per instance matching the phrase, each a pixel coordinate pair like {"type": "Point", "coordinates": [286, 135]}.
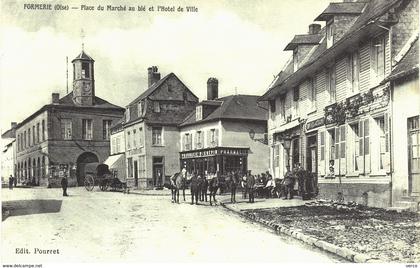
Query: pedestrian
{"type": "Point", "coordinates": [269, 186]}
{"type": "Point", "coordinates": [288, 183]}
{"type": "Point", "coordinates": [250, 183]}
{"type": "Point", "coordinates": [234, 180]}
{"type": "Point", "coordinates": [11, 182]}
{"type": "Point", "coordinates": [14, 181]}
{"type": "Point", "coordinates": [300, 175]}
{"type": "Point", "coordinates": [64, 184]}
{"type": "Point", "coordinates": [244, 187]}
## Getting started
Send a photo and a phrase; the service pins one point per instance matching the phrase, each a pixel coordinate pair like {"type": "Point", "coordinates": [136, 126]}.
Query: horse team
{"type": "Point", "coordinates": [200, 187]}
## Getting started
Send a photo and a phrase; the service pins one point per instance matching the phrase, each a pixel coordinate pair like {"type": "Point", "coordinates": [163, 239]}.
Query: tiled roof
{"type": "Point", "coordinates": [409, 64]}
{"type": "Point", "coordinates": [83, 56]}
{"type": "Point", "coordinates": [304, 39]}
{"type": "Point", "coordinates": [98, 102]}
{"type": "Point", "coordinates": [362, 28]}
{"type": "Point", "coordinates": [341, 8]}
{"type": "Point", "coordinates": [151, 89]}
{"type": "Point", "coordinates": [238, 107]}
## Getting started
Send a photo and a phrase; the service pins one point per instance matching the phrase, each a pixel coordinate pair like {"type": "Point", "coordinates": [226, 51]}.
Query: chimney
{"type": "Point", "coordinates": [153, 75]}
{"type": "Point", "coordinates": [13, 125]}
{"type": "Point", "coordinates": [314, 28]}
{"type": "Point", "coordinates": [55, 98]}
{"type": "Point", "coordinates": [212, 88]}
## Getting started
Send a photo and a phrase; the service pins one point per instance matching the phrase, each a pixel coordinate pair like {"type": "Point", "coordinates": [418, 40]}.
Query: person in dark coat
{"type": "Point", "coordinates": [64, 184]}
{"type": "Point", "coordinates": [11, 182]}
{"type": "Point", "coordinates": [250, 184]}
{"type": "Point", "coordinates": [288, 183]}
{"type": "Point", "coordinates": [234, 181]}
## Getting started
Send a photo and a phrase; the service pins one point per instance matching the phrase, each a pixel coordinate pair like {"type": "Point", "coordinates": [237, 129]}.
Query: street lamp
{"type": "Point", "coordinates": [286, 145]}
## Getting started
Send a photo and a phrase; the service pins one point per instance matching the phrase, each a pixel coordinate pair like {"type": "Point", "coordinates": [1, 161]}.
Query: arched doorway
{"type": "Point", "coordinates": [82, 160]}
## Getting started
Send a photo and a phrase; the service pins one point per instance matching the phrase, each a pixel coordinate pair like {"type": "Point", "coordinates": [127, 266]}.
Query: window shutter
{"type": "Point", "coordinates": [361, 138]}
{"type": "Point", "coordinates": [322, 138]}
{"type": "Point", "coordinates": [209, 138]}
{"type": "Point", "coordinates": [337, 143]}
{"type": "Point", "coordinates": [184, 141]}
{"type": "Point", "coordinates": [202, 139]}
{"type": "Point", "coordinates": [216, 137]}
{"type": "Point", "coordinates": [386, 130]}
{"type": "Point", "coordinates": [343, 141]}
{"type": "Point", "coordinates": [366, 135]}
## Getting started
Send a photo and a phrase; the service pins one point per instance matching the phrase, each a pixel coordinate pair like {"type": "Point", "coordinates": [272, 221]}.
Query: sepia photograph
{"type": "Point", "coordinates": [225, 132]}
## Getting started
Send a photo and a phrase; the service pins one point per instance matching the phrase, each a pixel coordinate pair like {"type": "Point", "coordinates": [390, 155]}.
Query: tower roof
{"type": "Point", "coordinates": [83, 56]}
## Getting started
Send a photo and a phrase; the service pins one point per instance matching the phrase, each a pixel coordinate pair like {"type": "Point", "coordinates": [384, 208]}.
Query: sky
{"type": "Point", "coordinates": [240, 42]}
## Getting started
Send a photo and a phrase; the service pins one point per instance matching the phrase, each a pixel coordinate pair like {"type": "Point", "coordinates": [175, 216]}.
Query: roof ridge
{"type": "Point", "coordinates": [406, 48]}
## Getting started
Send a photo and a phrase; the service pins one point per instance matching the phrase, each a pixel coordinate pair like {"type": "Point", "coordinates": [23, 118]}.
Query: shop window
{"type": "Point", "coordinates": [276, 158]}
{"type": "Point", "coordinates": [322, 147]}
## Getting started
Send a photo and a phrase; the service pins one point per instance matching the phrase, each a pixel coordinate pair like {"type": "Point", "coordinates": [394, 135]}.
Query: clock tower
{"type": "Point", "coordinates": [83, 80]}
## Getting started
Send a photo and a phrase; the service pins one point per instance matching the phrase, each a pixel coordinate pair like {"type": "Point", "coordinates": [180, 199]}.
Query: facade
{"type": "Point", "coordinates": [330, 108]}
{"type": "Point", "coordinates": [405, 141]}
{"type": "Point", "coordinates": [151, 130]}
{"type": "Point", "coordinates": [63, 136]}
{"type": "Point", "coordinates": [224, 134]}
{"type": "Point", "coordinates": [8, 153]}
{"type": "Point", "coordinates": [116, 160]}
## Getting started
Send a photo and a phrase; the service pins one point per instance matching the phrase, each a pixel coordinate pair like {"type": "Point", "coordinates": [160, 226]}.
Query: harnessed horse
{"type": "Point", "coordinates": [177, 183]}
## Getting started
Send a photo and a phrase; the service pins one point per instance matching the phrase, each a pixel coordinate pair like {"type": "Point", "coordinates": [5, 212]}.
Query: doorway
{"type": "Point", "coordinates": [414, 156]}
{"type": "Point", "coordinates": [158, 172]}
{"type": "Point", "coordinates": [136, 174]}
{"type": "Point", "coordinates": [82, 160]}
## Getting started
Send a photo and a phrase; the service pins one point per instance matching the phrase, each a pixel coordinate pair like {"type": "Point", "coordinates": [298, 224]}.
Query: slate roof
{"type": "Point", "coordinates": [304, 39]}
{"type": "Point", "coordinates": [362, 28]}
{"type": "Point", "coordinates": [83, 56]}
{"type": "Point", "coordinates": [98, 102]}
{"type": "Point", "coordinates": [151, 89]}
{"type": "Point", "coordinates": [236, 107]}
{"type": "Point", "coordinates": [354, 8]}
{"type": "Point", "coordinates": [409, 64]}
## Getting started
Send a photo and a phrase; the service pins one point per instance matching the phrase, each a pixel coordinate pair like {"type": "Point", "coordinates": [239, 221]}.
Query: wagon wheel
{"type": "Point", "coordinates": [89, 182]}
{"type": "Point", "coordinates": [104, 185]}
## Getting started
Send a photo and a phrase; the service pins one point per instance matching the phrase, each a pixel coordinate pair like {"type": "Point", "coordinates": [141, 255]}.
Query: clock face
{"type": "Point", "coordinates": [85, 87]}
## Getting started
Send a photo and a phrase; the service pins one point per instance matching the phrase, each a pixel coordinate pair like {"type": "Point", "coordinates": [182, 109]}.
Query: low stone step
{"type": "Point", "coordinates": [412, 198]}
{"type": "Point", "coordinates": [411, 205]}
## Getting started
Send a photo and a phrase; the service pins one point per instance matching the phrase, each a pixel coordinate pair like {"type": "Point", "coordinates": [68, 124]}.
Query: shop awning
{"type": "Point", "coordinates": [286, 126]}
{"type": "Point", "coordinates": [115, 161]}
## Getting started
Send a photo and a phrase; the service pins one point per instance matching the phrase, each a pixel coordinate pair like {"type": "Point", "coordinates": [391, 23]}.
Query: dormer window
{"type": "Point", "coordinates": [199, 113]}
{"type": "Point", "coordinates": [330, 33]}
{"type": "Point", "coordinates": [127, 114]}
{"type": "Point", "coordinates": [295, 59]}
{"type": "Point", "coordinates": [140, 109]}
{"type": "Point", "coordinates": [156, 107]}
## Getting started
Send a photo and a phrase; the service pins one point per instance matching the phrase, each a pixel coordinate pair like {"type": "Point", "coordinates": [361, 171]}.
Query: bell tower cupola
{"type": "Point", "coordinates": [83, 80]}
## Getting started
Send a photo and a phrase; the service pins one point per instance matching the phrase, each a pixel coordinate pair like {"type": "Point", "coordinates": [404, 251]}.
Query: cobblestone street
{"type": "Point", "coordinates": [109, 226]}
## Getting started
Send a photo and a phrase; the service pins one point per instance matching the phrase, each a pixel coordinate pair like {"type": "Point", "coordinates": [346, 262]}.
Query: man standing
{"type": "Point", "coordinates": [11, 182]}
{"type": "Point", "coordinates": [288, 183]}
{"type": "Point", "coordinates": [64, 184]}
{"type": "Point", "coordinates": [234, 180]}
{"type": "Point", "coordinates": [250, 183]}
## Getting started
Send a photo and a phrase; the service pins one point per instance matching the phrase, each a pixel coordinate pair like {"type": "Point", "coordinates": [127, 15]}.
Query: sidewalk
{"type": "Point", "coordinates": [358, 234]}
{"type": "Point", "coordinates": [152, 192]}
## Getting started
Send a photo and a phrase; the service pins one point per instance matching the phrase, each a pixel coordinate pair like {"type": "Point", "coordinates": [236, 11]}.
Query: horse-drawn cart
{"type": "Point", "coordinates": [100, 175]}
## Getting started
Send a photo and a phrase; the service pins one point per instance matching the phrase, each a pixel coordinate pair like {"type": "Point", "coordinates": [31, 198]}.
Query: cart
{"type": "Point", "coordinates": [99, 174]}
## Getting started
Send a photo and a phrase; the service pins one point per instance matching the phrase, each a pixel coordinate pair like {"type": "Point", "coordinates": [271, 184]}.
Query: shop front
{"type": "Point", "coordinates": [221, 159]}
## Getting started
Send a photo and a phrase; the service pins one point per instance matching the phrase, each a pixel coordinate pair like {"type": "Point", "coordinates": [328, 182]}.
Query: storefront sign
{"type": "Point", "coordinates": [213, 152]}
{"type": "Point", "coordinates": [314, 124]}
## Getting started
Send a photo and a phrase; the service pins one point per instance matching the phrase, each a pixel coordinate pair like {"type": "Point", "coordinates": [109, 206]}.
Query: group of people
{"type": "Point", "coordinates": [296, 181]}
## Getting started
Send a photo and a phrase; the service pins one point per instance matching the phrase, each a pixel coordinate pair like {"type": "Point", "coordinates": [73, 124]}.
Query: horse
{"type": "Point", "coordinates": [203, 188]}
{"type": "Point", "coordinates": [177, 183]}
{"type": "Point", "coordinates": [195, 188]}
{"type": "Point", "coordinates": [214, 185]}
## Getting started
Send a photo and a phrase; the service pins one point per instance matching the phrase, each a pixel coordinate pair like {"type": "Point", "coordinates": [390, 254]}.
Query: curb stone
{"type": "Point", "coordinates": [329, 247]}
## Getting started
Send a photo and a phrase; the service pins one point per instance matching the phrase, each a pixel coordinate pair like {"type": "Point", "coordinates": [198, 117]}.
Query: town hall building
{"type": "Point", "coordinates": [63, 136]}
